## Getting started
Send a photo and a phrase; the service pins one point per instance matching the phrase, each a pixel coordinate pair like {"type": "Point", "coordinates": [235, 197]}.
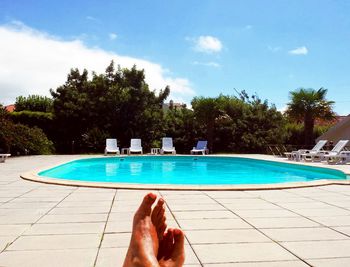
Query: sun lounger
{"type": "Point", "coordinates": [167, 146]}
{"type": "Point", "coordinates": [135, 146]}
{"type": "Point", "coordinates": [3, 157]}
{"type": "Point", "coordinates": [296, 155]}
{"type": "Point", "coordinates": [201, 147]}
{"type": "Point", "coordinates": [338, 155]}
{"type": "Point", "coordinates": [342, 158]}
{"type": "Point", "coordinates": [324, 154]}
{"type": "Point", "coordinates": [111, 146]}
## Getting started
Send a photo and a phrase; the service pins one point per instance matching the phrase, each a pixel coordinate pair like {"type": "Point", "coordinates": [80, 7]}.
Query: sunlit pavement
{"type": "Point", "coordinates": [49, 225]}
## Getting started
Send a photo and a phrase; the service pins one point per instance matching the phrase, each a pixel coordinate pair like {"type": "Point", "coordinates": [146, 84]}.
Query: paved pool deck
{"type": "Point", "coordinates": [52, 225]}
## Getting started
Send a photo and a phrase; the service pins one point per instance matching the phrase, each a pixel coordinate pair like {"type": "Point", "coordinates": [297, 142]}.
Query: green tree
{"type": "Point", "coordinates": [180, 125]}
{"type": "Point", "coordinates": [247, 124]}
{"type": "Point", "coordinates": [118, 102]}
{"type": "Point", "coordinates": [71, 109]}
{"type": "Point", "coordinates": [264, 125]}
{"type": "Point", "coordinates": [306, 106]}
{"type": "Point", "coordinates": [33, 103]}
{"type": "Point", "coordinates": [206, 111]}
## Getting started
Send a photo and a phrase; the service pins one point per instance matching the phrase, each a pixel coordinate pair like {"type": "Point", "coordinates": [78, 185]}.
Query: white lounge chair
{"type": "Point", "coordinates": [342, 158]}
{"type": "Point", "coordinates": [3, 157]}
{"type": "Point", "coordinates": [135, 146]}
{"type": "Point", "coordinates": [201, 147]}
{"type": "Point", "coordinates": [167, 146]}
{"type": "Point", "coordinates": [338, 155]}
{"type": "Point", "coordinates": [296, 155]}
{"type": "Point", "coordinates": [111, 146]}
{"type": "Point", "coordinates": [324, 154]}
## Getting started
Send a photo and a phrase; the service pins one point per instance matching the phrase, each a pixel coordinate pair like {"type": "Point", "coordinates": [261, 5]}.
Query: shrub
{"type": "Point", "coordinates": [43, 120]}
{"type": "Point", "coordinates": [26, 140]}
{"type": "Point", "coordinates": [95, 140]}
{"type": "Point", "coordinates": [20, 139]}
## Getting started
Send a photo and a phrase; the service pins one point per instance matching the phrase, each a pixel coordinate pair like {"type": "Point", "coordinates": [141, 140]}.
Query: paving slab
{"type": "Point", "coordinates": [319, 249]}
{"type": "Point", "coordinates": [333, 262]}
{"type": "Point", "coordinates": [332, 220]}
{"type": "Point", "coordinates": [80, 210]}
{"type": "Point", "coordinates": [303, 234]}
{"type": "Point", "coordinates": [289, 227]}
{"type": "Point", "coordinates": [225, 236]}
{"type": "Point", "coordinates": [66, 218]}
{"type": "Point", "coordinates": [52, 258]}
{"type": "Point", "coordinates": [264, 213]}
{"type": "Point", "coordinates": [343, 229]}
{"type": "Point", "coordinates": [45, 242]}
{"type": "Point", "coordinates": [286, 222]}
{"type": "Point", "coordinates": [249, 252]}
{"type": "Point", "coordinates": [5, 241]}
{"type": "Point", "coordinates": [260, 264]}
{"type": "Point", "coordinates": [15, 229]}
{"type": "Point", "coordinates": [65, 228]}
{"type": "Point", "coordinates": [221, 214]}
{"type": "Point", "coordinates": [211, 224]}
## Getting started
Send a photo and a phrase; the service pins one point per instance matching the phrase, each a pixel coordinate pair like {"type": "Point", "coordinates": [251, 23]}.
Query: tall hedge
{"type": "Point", "coordinates": [19, 139]}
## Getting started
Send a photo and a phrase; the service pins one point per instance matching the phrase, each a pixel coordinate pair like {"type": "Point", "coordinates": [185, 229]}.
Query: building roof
{"type": "Point", "coordinates": [10, 108]}
{"type": "Point", "coordinates": [339, 131]}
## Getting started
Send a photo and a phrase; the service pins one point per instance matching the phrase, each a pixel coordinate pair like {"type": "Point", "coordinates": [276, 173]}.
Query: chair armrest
{"type": "Point", "coordinates": [324, 152]}
{"type": "Point", "coordinates": [302, 151]}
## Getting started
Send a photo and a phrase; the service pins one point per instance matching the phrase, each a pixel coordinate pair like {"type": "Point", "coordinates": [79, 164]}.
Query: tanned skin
{"type": "Point", "coordinates": [150, 245]}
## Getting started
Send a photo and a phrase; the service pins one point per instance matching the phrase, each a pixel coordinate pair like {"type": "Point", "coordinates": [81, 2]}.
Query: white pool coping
{"type": "Point", "coordinates": [33, 176]}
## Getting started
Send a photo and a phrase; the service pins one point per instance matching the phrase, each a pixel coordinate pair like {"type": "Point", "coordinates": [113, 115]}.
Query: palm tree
{"type": "Point", "coordinates": [306, 106]}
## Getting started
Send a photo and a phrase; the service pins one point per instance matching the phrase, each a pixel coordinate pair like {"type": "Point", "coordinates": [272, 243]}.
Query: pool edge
{"type": "Point", "coordinates": [33, 176]}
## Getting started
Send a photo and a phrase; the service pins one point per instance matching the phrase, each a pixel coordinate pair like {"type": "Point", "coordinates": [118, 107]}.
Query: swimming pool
{"type": "Point", "coordinates": [188, 170]}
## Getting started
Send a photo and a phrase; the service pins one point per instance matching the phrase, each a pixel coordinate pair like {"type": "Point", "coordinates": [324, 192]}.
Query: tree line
{"type": "Point", "coordinates": [118, 103]}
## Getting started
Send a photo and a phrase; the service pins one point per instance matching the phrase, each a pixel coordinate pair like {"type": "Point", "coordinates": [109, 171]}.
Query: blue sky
{"type": "Point", "coordinates": [199, 47]}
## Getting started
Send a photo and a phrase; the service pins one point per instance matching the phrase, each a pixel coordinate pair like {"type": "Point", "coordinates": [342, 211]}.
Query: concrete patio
{"type": "Point", "coordinates": [50, 225]}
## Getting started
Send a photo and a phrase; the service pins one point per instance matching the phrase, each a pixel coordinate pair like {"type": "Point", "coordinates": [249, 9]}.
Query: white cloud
{"type": "Point", "coordinates": [112, 36]}
{"type": "Point", "coordinates": [32, 62]}
{"type": "Point", "coordinates": [208, 64]}
{"type": "Point", "coordinates": [91, 18]}
{"type": "Point", "coordinates": [299, 51]}
{"type": "Point", "coordinates": [207, 44]}
{"type": "Point", "coordinates": [274, 48]}
{"type": "Point", "coordinates": [282, 108]}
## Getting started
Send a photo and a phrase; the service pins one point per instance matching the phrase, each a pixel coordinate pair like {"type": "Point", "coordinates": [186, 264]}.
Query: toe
{"type": "Point", "coordinates": [161, 230]}
{"type": "Point", "coordinates": [179, 241]}
{"type": "Point", "coordinates": [158, 212]}
{"type": "Point", "coordinates": [165, 249]}
{"type": "Point", "coordinates": [158, 208]}
{"type": "Point", "coordinates": [146, 205]}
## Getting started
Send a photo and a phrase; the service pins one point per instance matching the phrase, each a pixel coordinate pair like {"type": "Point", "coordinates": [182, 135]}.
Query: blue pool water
{"type": "Point", "coordinates": [188, 170]}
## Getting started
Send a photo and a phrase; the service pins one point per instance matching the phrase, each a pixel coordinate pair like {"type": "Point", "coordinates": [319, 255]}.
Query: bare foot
{"type": "Point", "coordinates": [171, 251]}
{"type": "Point", "coordinates": [149, 241]}
{"type": "Point", "coordinates": [144, 242]}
